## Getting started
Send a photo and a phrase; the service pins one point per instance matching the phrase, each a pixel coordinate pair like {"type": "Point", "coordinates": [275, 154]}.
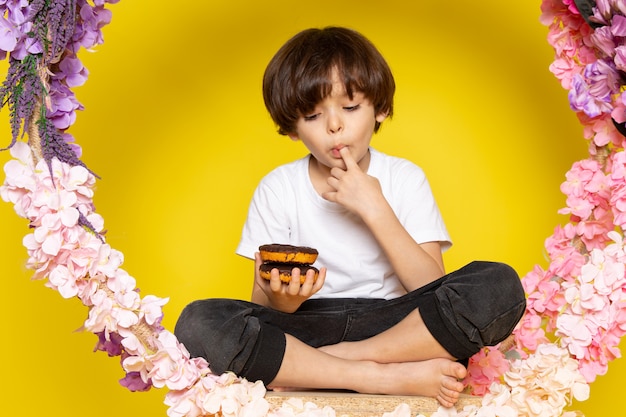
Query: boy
{"type": "Point", "coordinates": [382, 317]}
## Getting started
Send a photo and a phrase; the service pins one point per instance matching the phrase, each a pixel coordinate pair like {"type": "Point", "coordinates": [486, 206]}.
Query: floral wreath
{"type": "Point", "coordinates": [576, 310]}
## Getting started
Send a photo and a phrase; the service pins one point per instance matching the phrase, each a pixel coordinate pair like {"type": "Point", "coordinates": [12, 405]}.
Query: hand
{"type": "Point", "coordinates": [354, 189]}
{"type": "Point", "coordinates": [287, 297]}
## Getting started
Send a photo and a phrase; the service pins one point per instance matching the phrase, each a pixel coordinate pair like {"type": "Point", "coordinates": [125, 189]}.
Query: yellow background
{"type": "Point", "coordinates": [175, 126]}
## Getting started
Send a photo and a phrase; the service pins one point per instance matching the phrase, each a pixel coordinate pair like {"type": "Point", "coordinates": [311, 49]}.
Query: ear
{"type": "Point", "coordinates": [293, 136]}
{"type": "Point", "coordinates": [380, 117]}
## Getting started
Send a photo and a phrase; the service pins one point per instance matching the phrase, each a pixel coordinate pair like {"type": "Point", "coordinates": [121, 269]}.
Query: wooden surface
{"type": "Point", "coordinates": [363, 405]}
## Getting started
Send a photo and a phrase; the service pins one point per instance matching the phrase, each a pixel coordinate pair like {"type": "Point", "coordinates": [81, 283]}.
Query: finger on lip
{"type": "Point", "coordinates": [345, 153]}
{"type": "Point", "coordinates": [336, 151]}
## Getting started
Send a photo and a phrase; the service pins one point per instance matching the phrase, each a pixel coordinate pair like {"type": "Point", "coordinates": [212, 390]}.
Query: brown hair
{"type": "Point", "coordinates": [298, 77]}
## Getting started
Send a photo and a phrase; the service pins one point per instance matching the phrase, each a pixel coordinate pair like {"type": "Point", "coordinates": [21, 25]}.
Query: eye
{"type": "Point", "coordinates": [310, 117]}
{"type": "Point", "coordinates": [352, 108]}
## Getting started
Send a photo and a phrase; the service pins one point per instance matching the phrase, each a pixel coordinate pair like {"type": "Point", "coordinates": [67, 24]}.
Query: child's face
{"type": "Point", "coordinates": [337, 122]}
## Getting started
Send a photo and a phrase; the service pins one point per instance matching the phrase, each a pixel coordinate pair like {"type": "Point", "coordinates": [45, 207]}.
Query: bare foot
{"type": "Point", "coordinates": [435, 378]}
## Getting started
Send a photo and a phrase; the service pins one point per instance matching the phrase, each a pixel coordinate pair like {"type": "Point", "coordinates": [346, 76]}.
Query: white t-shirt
{"type": "Point", "coordinates": [286, 209]}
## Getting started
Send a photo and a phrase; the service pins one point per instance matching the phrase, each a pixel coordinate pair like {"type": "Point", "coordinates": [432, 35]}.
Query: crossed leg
{"type": "Point", "coordinates": [404, 360]}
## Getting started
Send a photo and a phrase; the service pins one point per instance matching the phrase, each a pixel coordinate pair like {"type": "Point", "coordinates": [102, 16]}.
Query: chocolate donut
{"type": "Point", "coordinates": [290, 254]}
{"type": "Point", "coordinates": [285, 258]}
{"type": "Point", "coordinates": [284, 271]}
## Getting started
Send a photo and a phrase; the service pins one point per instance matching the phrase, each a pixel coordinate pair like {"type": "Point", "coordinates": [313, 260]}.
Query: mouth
{"type": "Point", "coordinates": [336, 151]}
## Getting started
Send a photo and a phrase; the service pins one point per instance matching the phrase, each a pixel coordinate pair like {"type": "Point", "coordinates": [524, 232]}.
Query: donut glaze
{"type": "Point", "coordinates": [284, 271]}
{"type": "Point", "coordinates": [291, 254]}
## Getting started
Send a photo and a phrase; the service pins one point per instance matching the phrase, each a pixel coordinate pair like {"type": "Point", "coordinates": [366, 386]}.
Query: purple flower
{"type": "Point", "coordinates": [134, 383]}
{"type": "Point", "coordinates": [63, 105]}
{"type": "Point", "coordinates": [591, 92]}
{"type": "Point", "coordinates": [581, 100]}
{"type": "Point", "coordinates": [618, 25]}
{"type": "Point", "coordinates": [71, 70]}
{"type": "Point", "coordinates": [17, 10]}
{"type": "Point", "coordinates": [35, 33]}
{"type": "Point", "coordinates": [603, 79]}
{"type": "Point", "coordinates": [8, 36]}
{"type": "Point", "coordinates": [88, 31]}
{"type": "Point", "coordinates": [26, 45]}
{"type": "Point", "coordinates": [604, 40]}
{"type": "Point", "coordinates": [620, 58]}
{"type": "Point", "coordinates": [113, 346]}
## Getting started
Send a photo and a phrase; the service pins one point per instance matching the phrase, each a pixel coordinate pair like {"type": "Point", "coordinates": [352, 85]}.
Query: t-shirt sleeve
{"type": "Point", "coordinates": [417, 209]}
{"type": "Point", "coordinates": [267, 220]}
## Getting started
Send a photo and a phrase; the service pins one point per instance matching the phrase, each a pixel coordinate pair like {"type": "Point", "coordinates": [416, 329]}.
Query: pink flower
{"type": "Point", "coordinates": [571, 6]}
{"type": "Point", "coordinates": [231, 397]}
{"type": "Point", "coordinates": [600, 129]}
{"type": "Point", "coordinates": [226, 393]}
{"type": "Point", "coordinates": [564, 69]}
{"type": "Point", "coordinates": [105, 261]}
{"type": "Point", "coordinates": [578, 206]}
{"type": "Point", "coordinates": [576, 332]}
{"type": "Point", "coordinates": [603, 273]}
{"type": "Point", "coordinates": [133, 346]}
{"type": "Point", "coordinates": [169, 366]}
{"type": "Point", "coordinates": [150, 309]}
{"type": "Point", "coordinates": [552, 10]}
{"type": "Point", "coordinates": [566, 260]}
{"type": "Point", "coordinates": [88, 287]}
{"type": "Point", "coordinates": [63, 281]}
{"type": "Point", "coordinates": [543, 384]}
{"type": "Point", "coordinates": [530, 333]}
{"type": "Point", "coordinates": [484, 368]}
{"type": "Point", "coordinates": [100, 315]}
{"type": "Point", "coordinates": [20, 180]}
{"type": "Point", "coordinates": [186, 403]}
{"type": "Point", "coordinates": [546, 297]}
{"type": "Point", "coordinates": [619, 110]}
{"type": "Point", "coordinates": [579, 177]}
{"type": "Point", "coordinates": [593, 232]}
{"type": "Point", "coordinates": [497, 402]}
{"type": "Point", "coordinates": [123, 287]}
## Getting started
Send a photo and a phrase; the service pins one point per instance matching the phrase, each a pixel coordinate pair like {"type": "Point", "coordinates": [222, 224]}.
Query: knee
{"type": "Point", "coordinates": [188, 325]}
{"type": "Point", "coordinates": [502, 278]}
{"type": "Point", "coordinates": [198, 324]}
{"type": "Point", "coordinates": [490, 300]}
{"type": "Point", "coordinates": [507, 302]}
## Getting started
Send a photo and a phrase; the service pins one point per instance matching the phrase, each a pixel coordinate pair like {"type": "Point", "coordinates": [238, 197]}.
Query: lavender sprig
{"type": "Point", "coordinates": [84, 222]}
{"type": "Point", "coordinates": [20, 91]}
{"type": "Point", "coordinates": [53, 145]}
{"type": "Point", "coordinates": [61, 25]}
{"type": "Point", "coordinates": [54, 22]}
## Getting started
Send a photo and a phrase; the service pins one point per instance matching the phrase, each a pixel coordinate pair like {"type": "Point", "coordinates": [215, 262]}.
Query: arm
{"type": "Point", "coordinates": [267, 222]}
{"type": "Point", "coordinates": [284, 297]}
{"type": "Point", "coordinates": [415, 264]}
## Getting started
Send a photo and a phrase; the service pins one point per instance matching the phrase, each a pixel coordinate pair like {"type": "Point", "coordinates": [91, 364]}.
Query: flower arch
{"type": "Point", "coordinates": [576, 312]}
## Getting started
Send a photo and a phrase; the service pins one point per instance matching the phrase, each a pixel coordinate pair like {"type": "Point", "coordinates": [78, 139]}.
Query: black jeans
{"type": "Point", "coordinates": [476, 306]}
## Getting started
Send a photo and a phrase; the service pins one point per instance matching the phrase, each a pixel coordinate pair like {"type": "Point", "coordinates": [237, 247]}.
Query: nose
{"type": "Point", "coordinates": [335, 123]}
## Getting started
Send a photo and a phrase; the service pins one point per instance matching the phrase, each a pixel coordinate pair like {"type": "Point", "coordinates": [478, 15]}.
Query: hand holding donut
{"type": "Point", "coordinates": [285, 276]}
{"type": "Point", "coordinates": [353, 188]}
